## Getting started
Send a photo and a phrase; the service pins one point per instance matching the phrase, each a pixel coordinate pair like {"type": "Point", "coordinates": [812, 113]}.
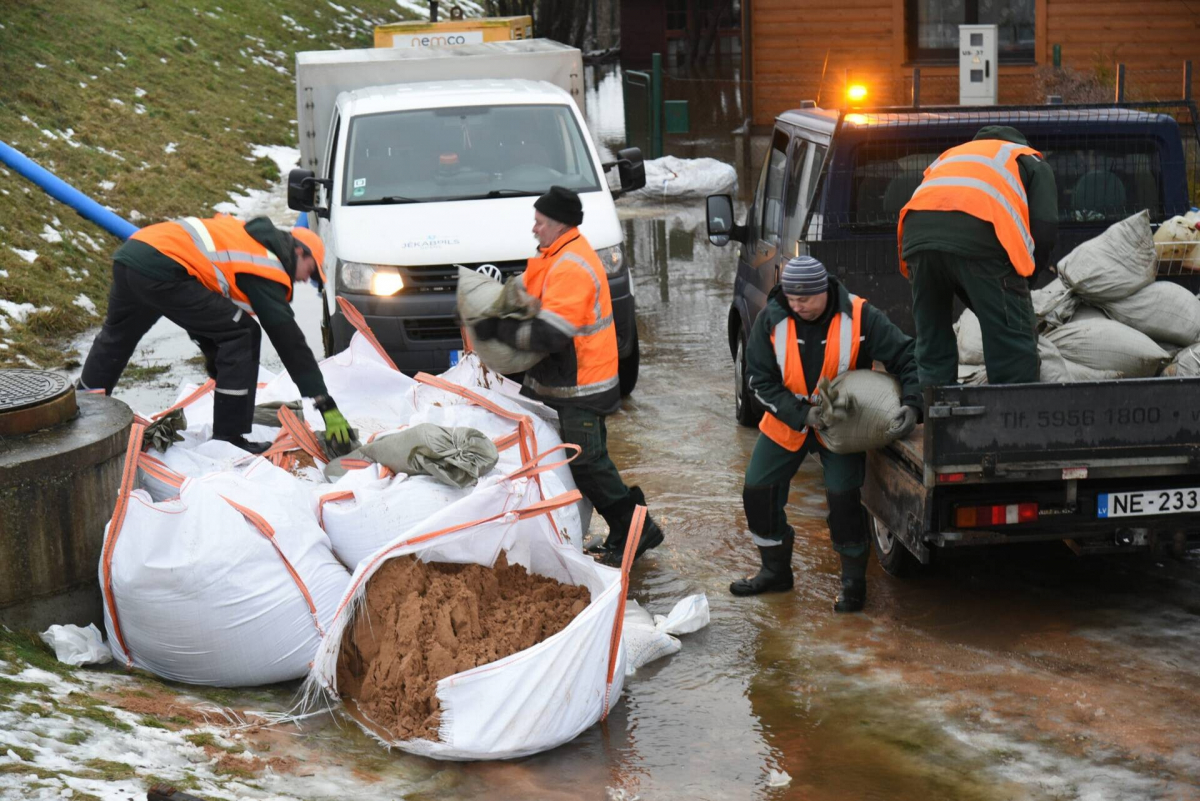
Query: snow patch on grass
{"type": "Point", "coordinates": [171, 147]}
{"type": "Point", "coordinates": [28, 255]}
{"type": "Point", "coordinates": [85, 303]}
{"type": "Point", "coordinates": [50, 235]}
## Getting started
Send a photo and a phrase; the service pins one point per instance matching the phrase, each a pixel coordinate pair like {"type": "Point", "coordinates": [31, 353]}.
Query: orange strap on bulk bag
{"type": "Point", "coordinates": [631, 545]}
{"type": "Point", "coordinates": [355, 318]}
{"type": "Point", "coordinates": [205, 388]}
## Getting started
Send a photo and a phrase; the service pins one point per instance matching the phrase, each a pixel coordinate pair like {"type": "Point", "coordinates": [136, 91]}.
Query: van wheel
{"type": "Point", "coordinates": [894, 556]}
{"type": "Point", "coordinates": [629, 366]}
{"type": "Point", "coordinates": [745, 407]}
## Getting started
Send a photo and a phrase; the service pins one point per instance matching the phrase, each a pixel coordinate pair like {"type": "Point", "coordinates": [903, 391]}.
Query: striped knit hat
{"type": "Point", "coordinates": [804, 275]}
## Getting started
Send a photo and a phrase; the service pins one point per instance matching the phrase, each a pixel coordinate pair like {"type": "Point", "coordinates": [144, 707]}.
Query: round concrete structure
{"type": "Point", "coordinates": [58, 487]}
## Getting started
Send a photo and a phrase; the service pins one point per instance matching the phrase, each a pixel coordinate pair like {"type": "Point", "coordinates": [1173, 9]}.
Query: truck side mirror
{"type": "Point", "coordinates": [302, 191]}
{"type": "Point", "coordinates": [631, 168]}
{"type": "Point", "coordinates": [721, 225]}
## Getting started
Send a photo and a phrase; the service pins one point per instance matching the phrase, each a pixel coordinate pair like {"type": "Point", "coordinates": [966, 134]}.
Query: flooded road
{"type": "Point", "coordinates": [1001, 674]}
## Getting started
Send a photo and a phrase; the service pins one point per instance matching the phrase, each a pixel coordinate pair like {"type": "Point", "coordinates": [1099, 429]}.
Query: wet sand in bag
{"type": "Point", "coordinates": [422, 622]}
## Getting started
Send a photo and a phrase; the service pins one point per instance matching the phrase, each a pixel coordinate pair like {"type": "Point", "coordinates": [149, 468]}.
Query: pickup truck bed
{"type": "Point", "coordinates": [1110, 465]}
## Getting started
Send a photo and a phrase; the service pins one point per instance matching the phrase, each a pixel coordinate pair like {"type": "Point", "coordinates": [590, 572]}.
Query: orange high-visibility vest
{"type": "Point", "coordinates": [215, 251]}
{"type": "Point", "coordinates": [571, 284]}
{"type": "Point", "coordinates": [841, 354]}
{"type": "Point", "coordinates": [981, 178]}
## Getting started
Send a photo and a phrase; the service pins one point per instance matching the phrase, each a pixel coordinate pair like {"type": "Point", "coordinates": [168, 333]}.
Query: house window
{"type": "Point", "coordinates": [677, 15]}
{"type": "Point", "coordinates": [933, 27]}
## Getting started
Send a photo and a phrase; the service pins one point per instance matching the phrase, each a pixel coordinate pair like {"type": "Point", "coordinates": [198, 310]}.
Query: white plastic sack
{"type": "Point", "coordinates": [672, 178]}
{"type": "Point", "coordinates": [644, 643]}
{"type": "Point", "coordinates": [77, 646]}
{"type": "Point", "coordinates": [861, 406]}
{"type": "Point", "coordinates": [1178, 240]}
{"type": "Point", "coordinates": [199, 591]}
{"type": "Point", "coordinates": [1186, 363]}
{"type": "Point", "coordinates": [533, 700]}
{"type": "Point", "coordinates": [970, 338]}
{"type": "Point", "coordinates": [688, 615]}
{"type": "Point", "coordinates": [1163, 311]}
{"type": "Point", "coordinates": [1113, 265]}
{"type": "Point", "coordinates": [1109, 345]}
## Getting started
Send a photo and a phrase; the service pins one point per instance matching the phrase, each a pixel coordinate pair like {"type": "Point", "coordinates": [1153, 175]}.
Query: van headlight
{"type": "Point", "coordinates": [612, 258]}
{"type": "Point", "coordinates": [377, 279]}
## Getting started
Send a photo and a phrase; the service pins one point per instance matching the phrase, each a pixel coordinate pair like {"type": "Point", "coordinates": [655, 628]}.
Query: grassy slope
{"type": "Point", "coordinates": [215, 78]}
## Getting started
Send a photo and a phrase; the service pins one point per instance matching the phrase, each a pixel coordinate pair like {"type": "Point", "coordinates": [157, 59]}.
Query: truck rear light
{"type": "Point", "coordinates": [951, 478]}
{"type": "Point", "coordinates": [999, 515]}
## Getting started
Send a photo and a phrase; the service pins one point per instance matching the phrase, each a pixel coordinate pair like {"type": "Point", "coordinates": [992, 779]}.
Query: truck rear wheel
{"type": "Point", "coordinates": [628, 367]}
{"type": "Point", "coordinates": [894, 557]}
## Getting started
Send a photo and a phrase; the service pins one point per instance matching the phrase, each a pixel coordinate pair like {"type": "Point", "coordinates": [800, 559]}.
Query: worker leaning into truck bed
{"type": "Point", "coordinates": [210, 277]}
{"type": "Point", "coordinates": [812, 327]}
{"type": "Point", "coordinates": [981, 226]}
{"type": "Point", "coordinates": [578, 377]}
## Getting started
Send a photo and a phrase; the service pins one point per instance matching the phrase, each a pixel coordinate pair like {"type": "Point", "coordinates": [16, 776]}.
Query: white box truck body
{"type": "Point", "coordinates": [428, 159]}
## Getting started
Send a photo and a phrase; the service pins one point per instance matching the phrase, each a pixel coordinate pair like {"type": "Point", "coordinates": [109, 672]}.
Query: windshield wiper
{"type": "Point", "coordinates": [383, 201]}
{"type": "Point", "coordinates": [512, 193]}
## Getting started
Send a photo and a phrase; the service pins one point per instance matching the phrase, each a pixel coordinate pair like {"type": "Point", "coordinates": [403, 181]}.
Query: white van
{"type": "Point", "coordinates": [417, 177]}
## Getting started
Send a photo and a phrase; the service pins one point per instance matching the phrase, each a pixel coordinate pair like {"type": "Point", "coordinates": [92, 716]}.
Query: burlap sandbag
{"type": "Point", "coordinates": [478, 297]}
{"type": "Point", "coordinates": [1109, 345]}
{"type": "Point", "coordinates": [1163, 311]}
{"type": "Point", "coordinates": [1186, 363]}
{"type": "Point", "coordinates": [860, 406]}
{"type": "Point", "coordinates": [1053, 304]}
{"type": "Point", "coordinates": [454, 456]}
{"type": "Point", "coordinates": [970, 338]}
{"type": "Point", "coordinates": [1115, 264]}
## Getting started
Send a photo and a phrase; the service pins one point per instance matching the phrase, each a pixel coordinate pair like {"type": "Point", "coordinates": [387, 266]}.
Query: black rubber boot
{"type": "Point", "coordinates": [854, 585]}
{"type": "Point", "coordinates": [245, 444]}
{"type": "Point", "coordinates": [619, 518]}
{"type": "Point", "coordinates": [848, 532]}
{"type": "Point", "coordinates": [776, 572]}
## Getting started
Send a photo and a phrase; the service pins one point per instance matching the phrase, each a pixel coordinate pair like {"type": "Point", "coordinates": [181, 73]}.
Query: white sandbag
{"type": "Point", "coordinates": [970, 338]}
{"type": "Point", "coordinates": [1086, 312]}
{"type": "Point", "coordinates": [530, 701]}
{"type": "Point", "coordinates": [229, 584]}
{"type": "Point", "coordinates": [644, 643]}
{"type": "Point", "coordinates": [1053, 304]}
{"type": "Point", "coordinates": [1054, 368]}
{"type": "Point", "coordinates": [1163, 311]}
{"type": "Point", "coordinates": [1186, 363]}
{"type": "Point", "coordinates": [479, 296]}
{"type": "Point", "coordinates": [77, 646]}
{"type": "Point", "coordinates": [1178, 241]}
{"type": "Point", "coordinates": [1109, 345]}
{"type": "Point", "coordinates": [1113, 265]}
{"type": "Point", "coordinates": [861, 407]}
{"type": "Point", "coordinates": [674, 178]}
{"type": "Point", "coordinates": [972, 374]}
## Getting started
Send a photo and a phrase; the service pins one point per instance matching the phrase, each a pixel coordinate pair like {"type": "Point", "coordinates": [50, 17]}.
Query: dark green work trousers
{"type": "Point", "coordinates": [594, 472]}
{"type": "Point", "coordinates": [1000, 299]}
{"type": "Point", "coordinates": [769, 477]}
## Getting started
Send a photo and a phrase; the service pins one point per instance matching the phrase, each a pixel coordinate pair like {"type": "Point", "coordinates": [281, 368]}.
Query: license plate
{"type": "Point", "coordinates": [455, 357]}
{"type": "Point", "coordinates": [1149, 502]}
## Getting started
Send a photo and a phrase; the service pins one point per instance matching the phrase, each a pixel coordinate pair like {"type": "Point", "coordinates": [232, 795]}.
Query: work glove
{"type": "Point", "coordinates": [814, 415]}
{"type": "Point", "coordinates": [904, 423]}
{"type": "Point", "coordinates": [337, 430]}
{"type": "Point", "coordinates": [485, 329]}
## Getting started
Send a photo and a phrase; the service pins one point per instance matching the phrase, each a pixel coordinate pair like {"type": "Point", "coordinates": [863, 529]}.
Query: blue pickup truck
{"type": "Point", "coordinates": [832, 184]}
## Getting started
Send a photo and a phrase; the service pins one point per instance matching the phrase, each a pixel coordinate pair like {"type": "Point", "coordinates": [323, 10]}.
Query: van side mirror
{"type": "Point", "coordinates": [721, 225]}
{"type": "Point", "coordinates": [302, 191]}
{"type": "Point", "coordinates": [631, 169]}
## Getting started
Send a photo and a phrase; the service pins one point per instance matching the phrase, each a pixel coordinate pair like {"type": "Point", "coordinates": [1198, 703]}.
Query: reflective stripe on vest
{"type": "Point", "coordinates": [202, 239]}
{"type": "Point", "coordinates": [565, 326]}
{"type": "Point", "coordinates": [994, 194]}
{"type": "Point", "coordinates": [841, 354]}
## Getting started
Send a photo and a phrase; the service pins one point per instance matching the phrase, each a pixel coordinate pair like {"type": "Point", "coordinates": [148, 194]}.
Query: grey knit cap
{"type": "Point", "coordinates": [804, 275]}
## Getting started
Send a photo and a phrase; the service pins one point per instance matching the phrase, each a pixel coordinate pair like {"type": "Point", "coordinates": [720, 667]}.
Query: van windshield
{"type": "Point", "coordinates": [474, 152]}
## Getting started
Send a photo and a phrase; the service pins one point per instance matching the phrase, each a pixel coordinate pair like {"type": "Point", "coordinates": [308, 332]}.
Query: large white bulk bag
{"type": "Point", "coordinates": [1113, 265]}
{"type": "Point", "coordinates": [530, 701]}
{"type": "Point", "coordinates": [970, 338]}
{"type": "Point", "coordinates": [231, 583]}
{"type": "Point", "coordinates": [1178, 240]}
{"type": "Point", "coordinates": [1109, 345]}
{"type": "Point", "coordinates": [861, 406]}
{"type": "Point", "coordinates": [1163, 311]}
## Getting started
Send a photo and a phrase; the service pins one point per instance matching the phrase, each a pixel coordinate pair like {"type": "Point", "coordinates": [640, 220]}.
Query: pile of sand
{"type": "Point", "coordinates": [422, 622]}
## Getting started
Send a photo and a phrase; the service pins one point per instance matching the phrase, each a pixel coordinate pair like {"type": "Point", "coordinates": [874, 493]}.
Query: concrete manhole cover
{"type": "Point", "coordinates": [34, 399]}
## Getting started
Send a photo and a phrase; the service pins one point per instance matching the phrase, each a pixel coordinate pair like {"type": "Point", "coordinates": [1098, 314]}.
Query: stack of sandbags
{"type": "Point", "coordinates": [860, 409]}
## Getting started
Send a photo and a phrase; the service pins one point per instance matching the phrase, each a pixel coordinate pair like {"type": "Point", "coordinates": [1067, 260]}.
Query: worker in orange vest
{"type": "Point", "coordinates": [980, 227]}
{"type": "Point", "coordinates": [211, 277]}
{"type": "Point", "coordinates": [813, 327]}
{"type": "Point", "coordinates": [578, 377]}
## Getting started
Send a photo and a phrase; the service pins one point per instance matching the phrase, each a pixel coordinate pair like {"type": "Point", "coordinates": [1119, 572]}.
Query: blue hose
{"type": "Point", "coordinates": [63, 192]}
